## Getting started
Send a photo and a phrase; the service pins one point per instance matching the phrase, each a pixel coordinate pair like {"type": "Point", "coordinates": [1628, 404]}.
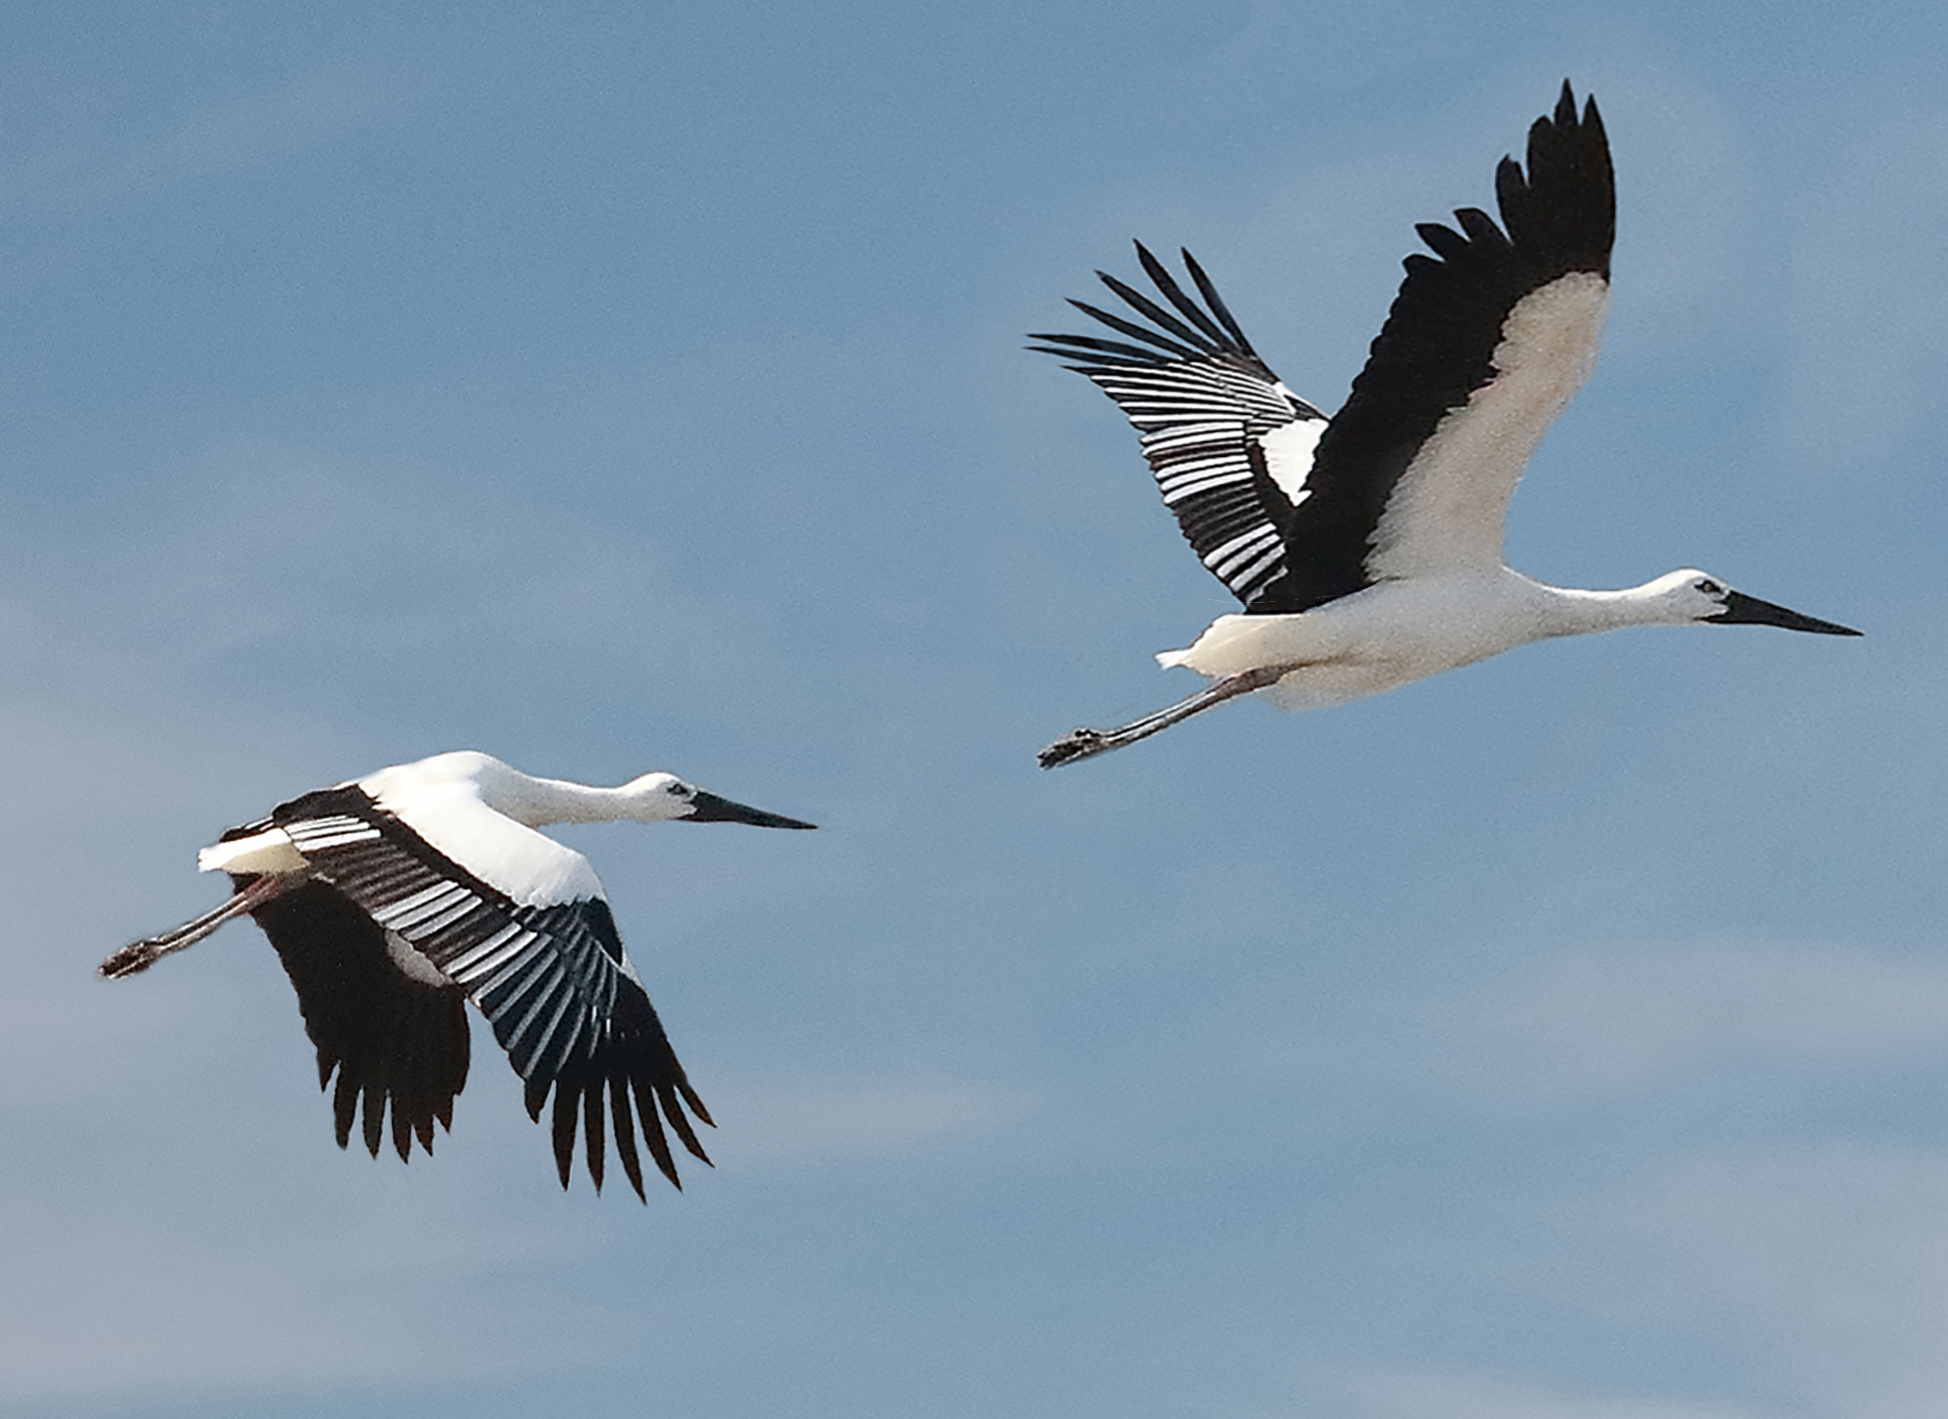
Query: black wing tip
{"type": "Point", "coordinates": [1101, 355]}
{"type": "Point", "coordinates": [1559, 206]}
{"type": "Point", "coordinates": [1564, 125]}
{"type": "Point", "coordinates": [1192, 333]}
{"type": "Point", "coordinates": [562, 1132]}
{"type": "Point", "coordinates": [696, 1106]}
{"type": "Point", "coordinates": [1593, 121]}
{"type": "Point", "coordinates": [579, 1115]}
{"type": "Point", "coordinates": [1059, 353]}
{"type": "Point", "coordinates": [1565, 114]}
{"type": "Point", "coordinates": [380, 1106]}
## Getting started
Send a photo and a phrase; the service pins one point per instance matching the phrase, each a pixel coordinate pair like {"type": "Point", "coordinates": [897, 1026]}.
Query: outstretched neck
{"type": "Point", "coordinates": [1570, 611]}
{"type": "Point", "coordinates": [536, 802]}
{"type": "Point", "coordinates": [551, 800]}
{"type": "Point", "coordinates": [532, 802]}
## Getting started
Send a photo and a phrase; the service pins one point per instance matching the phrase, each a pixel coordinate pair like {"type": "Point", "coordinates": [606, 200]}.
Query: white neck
{"type": "Point", "coordinates": [533, 801]}
{"type": "Point", "coordinates": [548, 800]}
{"type": "Point", "coordinates": [538, 801]}
{"type": "Point", "coordinates": [1569, 611]}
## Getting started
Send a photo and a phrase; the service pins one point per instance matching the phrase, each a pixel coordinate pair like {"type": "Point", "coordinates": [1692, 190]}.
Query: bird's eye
{"type": "Point", "coordinates": [1710, 587]}
{"type": "Point", "coordinates": [682, 790]}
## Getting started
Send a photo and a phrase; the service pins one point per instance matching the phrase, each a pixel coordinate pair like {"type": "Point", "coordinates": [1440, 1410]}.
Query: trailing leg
{"type": "Point", "coordinates": [1082, 743]}
{"type": "Point", "coordinates": [140, 955]}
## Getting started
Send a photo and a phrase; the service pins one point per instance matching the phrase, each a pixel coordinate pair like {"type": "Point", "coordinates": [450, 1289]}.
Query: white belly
{"type": "Point", "coordinates": [1375, 640]}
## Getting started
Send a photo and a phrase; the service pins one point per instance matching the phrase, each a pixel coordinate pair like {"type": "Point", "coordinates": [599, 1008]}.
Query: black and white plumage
{"type": "Point", "coordinates": [393, 899]}
{"type": "Point", "coordinates": [1367, 548]}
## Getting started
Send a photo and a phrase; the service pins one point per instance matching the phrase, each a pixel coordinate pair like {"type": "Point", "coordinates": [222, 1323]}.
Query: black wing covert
{"type": "Point", "coordinates": [552, 980]}
{"type": "Point", "coordinates": [1203, 404]}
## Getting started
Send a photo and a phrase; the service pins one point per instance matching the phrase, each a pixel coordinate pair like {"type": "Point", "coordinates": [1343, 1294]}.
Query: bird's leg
{"type": "Point", "coordinates": [1081, 743]}
{"type": "Point", "coordinates": [140, 955]}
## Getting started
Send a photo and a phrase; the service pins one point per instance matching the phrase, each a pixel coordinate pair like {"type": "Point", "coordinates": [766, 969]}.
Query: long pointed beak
{"type": "Point", "coordinates": [1743, 610]}
{"type": "Point", "coordinates": [709, 808]}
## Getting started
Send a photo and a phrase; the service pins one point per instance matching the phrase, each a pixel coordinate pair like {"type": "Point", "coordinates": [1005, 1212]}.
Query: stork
{"type": "Point", "coordinates": [394, 898]}
{"type": "Point", "coordinates": [1367, 547]}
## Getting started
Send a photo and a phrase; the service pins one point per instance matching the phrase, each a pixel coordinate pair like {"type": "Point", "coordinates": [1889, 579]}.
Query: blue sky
{"type": "Point", "coordinates": [642, 387]}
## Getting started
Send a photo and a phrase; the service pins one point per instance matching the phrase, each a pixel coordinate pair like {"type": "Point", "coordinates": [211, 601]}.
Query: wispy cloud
{"type": "Point", "coordinates": [1569, 1026]}
{"type": "Point", "coordinates": [414, 555]}
{"type": "Point", "coordinates": [309, 109]}
{"type": "Point", "coordinates": [117, 1285]}
{"type": "Point", "coordinates": [1824, 1268]}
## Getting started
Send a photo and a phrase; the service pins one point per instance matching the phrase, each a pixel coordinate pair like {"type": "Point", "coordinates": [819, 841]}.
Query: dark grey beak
{"type": "Point", "coordinates": [709, 808]}
{"type": "Point", "coordinates": [1743, 610]}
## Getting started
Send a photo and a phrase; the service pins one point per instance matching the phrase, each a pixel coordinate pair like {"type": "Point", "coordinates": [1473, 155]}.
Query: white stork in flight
{"type": "Point", "coordinates": [1367, 547]}
{"type": "Point", "coordinates": [393, 899]}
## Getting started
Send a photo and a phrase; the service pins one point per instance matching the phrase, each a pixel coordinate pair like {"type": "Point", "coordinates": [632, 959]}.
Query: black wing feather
{"type": "Point", "coordinates": [1437, 346]}
{"type": "Point", "coordinates": [1217, 305]}
{"type": "Point", "coordinates": [1201, 408]}
{"type": "Point", "coordinates": [552, 981]}
{"type": "Point", "coordinates": [1161, 278]}
{"type": "Point", "coordinates": [389, 1039]}
{"type": "Point", "coordinates": [1128, 327]}
{"type": "Point", "coordinates": [1194, 342]}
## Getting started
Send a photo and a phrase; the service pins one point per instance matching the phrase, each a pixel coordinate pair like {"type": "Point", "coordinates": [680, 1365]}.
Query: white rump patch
{"type": "Point", "coordinates": [270, 852]}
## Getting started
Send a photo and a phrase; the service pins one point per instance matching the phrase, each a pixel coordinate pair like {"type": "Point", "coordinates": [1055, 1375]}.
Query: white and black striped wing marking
{"type": "Point", "coordinates": [1485, 344]}
{"type": "Point", "coordinates": [552, 979]}
{"type": "Point", "coordinates": [1229, 444]}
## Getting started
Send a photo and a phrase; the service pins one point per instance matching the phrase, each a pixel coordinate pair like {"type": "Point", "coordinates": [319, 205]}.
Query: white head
{"type": "Point", "coordinates": [665, 798]}
{"type": "Point", "coordinates": [1689, 596]}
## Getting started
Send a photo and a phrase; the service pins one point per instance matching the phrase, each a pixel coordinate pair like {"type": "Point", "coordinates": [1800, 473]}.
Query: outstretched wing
{"type": "Point", "coordinates": [1229, 444]}
{"type": "Point", "coordinates": [550, 976]}
{"type": "Point", "coordinates": [1486, 343]}
{"type": "Point", "coordinates": [391, 1040]}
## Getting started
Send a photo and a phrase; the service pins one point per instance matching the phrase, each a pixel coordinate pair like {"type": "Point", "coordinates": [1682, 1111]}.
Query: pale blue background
{"type": "Point", "coordinates": [617, 388]}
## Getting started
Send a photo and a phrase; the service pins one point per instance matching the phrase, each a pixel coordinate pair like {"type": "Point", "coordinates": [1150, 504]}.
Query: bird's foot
{"type": "Point", "coordinates": [134, 957]}
{"type": "Point", "coordinates": [1077, 744]}
{"type": "Point", "coordinates": [140, 955]}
